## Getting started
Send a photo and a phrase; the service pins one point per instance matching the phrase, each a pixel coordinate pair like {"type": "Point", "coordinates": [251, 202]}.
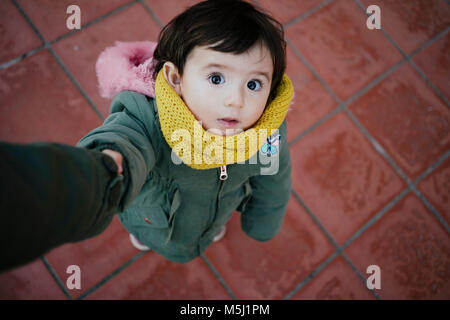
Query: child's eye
{"type": "Point", "coordinates": [216, 79]}
{"type": "Point", "coordinates": [254, 85]}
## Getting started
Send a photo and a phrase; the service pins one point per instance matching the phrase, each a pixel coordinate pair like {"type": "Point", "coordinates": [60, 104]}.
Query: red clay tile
{"type": "Point", "coordinates": [337, 43]}
{"type": "Point", "coordinates": [80, 52]}
{"type": "Point", "coordinates": [165, 10]}
{"type": "Point", "coordinates": [270, 270]}
{"type": "Point", "coordinates": [153, 277]}
{"type": "Point", "coordinates": [411, 23]}
{"type": "Point", "coordinates": [32, 281]}
{"type": "Point", "coordinates": [50, 16]}
{"type": "Point", "coordinates": [97, 257]}
{"type": "Point", "coordinates": [286, 10]}
{"type": "Point", "coordinates": [341, 178]}
{"type": "Point", "coordinates": [311, 101]}
{"type": "Point", "coordinates": [336, 282]}
{"type": "Point", "coordinates": [408, 119]}
{"type": "Point", "coordinates": [39, 102]}
{"type": "Point", "coordinates": [412, 250]}
{"type": "Point", "coordinates": [434, 61]}
{"type": "Point", "coordinates": [436, 188]}
{"type": "Point", "coordinates": [13, 24]}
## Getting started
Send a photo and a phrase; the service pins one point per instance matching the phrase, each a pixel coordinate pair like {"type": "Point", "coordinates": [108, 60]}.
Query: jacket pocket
{"type": "Point", "coordinates": [154, 216]}
{"type": "Point", "coordinates": [157, 216]}
{"type": "Point", "coordinates": [247, 197]}
{"type": "Point", "coordinates": [175, 204]}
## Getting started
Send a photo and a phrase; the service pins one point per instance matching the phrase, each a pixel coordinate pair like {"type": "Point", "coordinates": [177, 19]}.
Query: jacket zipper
{"type": "Point", "coordinates": [223, 175]}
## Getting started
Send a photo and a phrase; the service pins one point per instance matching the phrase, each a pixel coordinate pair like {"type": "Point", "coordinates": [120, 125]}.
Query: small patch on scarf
{"type": "Point", "coordinates": [271, 146]}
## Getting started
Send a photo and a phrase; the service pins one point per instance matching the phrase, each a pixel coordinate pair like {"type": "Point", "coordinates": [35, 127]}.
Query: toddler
{"type": "Point", "coordinates": [194, 127]}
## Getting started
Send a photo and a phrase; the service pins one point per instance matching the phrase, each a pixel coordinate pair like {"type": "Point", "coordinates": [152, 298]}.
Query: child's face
{"type": "Point", "coordinates": [217, 85]}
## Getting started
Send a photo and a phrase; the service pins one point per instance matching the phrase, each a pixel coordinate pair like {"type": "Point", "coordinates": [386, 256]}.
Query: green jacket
{"type": "Point", "coordinates": [177, 210]}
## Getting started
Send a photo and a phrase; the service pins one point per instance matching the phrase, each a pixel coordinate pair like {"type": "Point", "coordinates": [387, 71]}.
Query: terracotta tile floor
{"type": "Point", "coordinates": [368, 134]}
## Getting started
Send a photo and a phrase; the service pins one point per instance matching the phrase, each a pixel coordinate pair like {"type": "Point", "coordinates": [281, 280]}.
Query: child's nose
{"type": "Point", "coordinates": [235, 98]}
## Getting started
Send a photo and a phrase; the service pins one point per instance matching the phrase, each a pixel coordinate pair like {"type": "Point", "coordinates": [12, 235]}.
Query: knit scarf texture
{"type": "Point", "coordinates": [201, 149]}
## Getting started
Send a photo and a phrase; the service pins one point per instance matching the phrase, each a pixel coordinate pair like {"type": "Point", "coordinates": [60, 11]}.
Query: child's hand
{"type": "Point", "coordinates": [117, 157]}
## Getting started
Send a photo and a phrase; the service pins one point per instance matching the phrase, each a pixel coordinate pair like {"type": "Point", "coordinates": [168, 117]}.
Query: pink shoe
{"type": "Point", "coordinates": [137, 244]}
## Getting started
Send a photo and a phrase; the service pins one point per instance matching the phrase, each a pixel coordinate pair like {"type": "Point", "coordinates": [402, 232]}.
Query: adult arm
{"type": "Point", "coordinates": [51, 194]}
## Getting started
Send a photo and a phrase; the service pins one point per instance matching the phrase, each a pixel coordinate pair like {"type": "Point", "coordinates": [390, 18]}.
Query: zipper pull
{"type": "Point", "coordinates": [223, 173]}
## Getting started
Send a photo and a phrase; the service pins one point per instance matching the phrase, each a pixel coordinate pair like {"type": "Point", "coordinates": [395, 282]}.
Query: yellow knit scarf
{"type": "Point", "coordinates": [201, 149]}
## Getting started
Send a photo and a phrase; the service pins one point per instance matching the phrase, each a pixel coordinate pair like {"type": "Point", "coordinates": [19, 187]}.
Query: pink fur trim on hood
{"type": "Point", "coordinates": [126, 66]}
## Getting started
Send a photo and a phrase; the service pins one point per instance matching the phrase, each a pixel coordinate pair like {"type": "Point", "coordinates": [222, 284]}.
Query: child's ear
{"type": "Point", "coordinates": [172, 76]}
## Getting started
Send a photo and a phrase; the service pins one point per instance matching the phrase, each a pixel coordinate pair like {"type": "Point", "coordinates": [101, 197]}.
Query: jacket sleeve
{"type": "Point", "coordinates": [264, 211]}
{"type": "Point", "coordinates": [52, 194]}
{"type": "Point", "coordinates": [123, 131]}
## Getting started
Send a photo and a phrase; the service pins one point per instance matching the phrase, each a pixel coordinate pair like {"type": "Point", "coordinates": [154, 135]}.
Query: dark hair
{"type": "Point", "coordinates": [230, 26]}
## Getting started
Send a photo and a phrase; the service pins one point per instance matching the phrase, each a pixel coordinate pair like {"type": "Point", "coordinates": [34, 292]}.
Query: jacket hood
{"type": "Point", "coordinates": [126, 66]}
{"type": "Point", "coordinates": [129, 66]}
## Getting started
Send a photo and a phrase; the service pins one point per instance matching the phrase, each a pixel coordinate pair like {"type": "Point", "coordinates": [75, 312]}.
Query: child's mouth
{"type": "Point", "coordinates": [228, 122]}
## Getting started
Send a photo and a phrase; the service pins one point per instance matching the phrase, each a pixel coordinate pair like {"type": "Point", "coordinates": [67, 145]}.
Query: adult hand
{"type": "Point", "coordinates": [117, 157]}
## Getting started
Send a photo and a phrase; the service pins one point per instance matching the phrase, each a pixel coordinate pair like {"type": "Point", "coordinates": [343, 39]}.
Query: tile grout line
{"type": "Point", "coordinates": [408, 58]}
{"type": "Point", "coordinates": [219, 277]}
{"type": "Point", "coordinates": [61, 37]}
{"type": "Point", "coordinates": [77, 85]}
{"type": "Point", "coordinates": [58, 60]}
{"type": "Point", "coordinates": [327, 235]}
{"type": "Point", "coordinates": [316, 271]}
{"type": "Point", "coordinates": [422, 176]}
{"type": "Point", "coordinates": [36, 31]}
{"type": "Point", "coordinates": [430, 207]}
{"type": "Point", "coordinates": [151, 13]}
{"type": "Point", "coordinates": [21, 57]}
{"type": "Point", "coordinates": [323, 265]}
{"type": "Point", "coordinates": [429, 42]}
{"type": "Point", "coordinates": [56, 277]}
{"type": "Point", "coordinates": [376, 217]}
{"type": "Point", "coordinates": [312, 70]}
{"type": "Point", "coordinates": [433, 167]}
{"type": "Point", "coordinates": [429, 82]}
{"type": "Point", "coordinates": [343, 105]}
{"type": "Point", "coordinates": [360, 276]}
{"type": "Point", "coordinates": [307, 13]}
{"type": "Point", "coordinates": [111, 275]}
{"type": "Point", "coordinates": [329, 115]}
{"type": "Point", "coordinates": [299, 18]}
{"type": "Point", "coordinates": [410, 185]}
{"type": "Point", "coordinates": [338, 249]}
{"type": "Point", "coordinates": [377, 146]}
{"type": "Point", "coordinates": [315, 219]}
{"type": "Point", "coordinates": [94, 21]}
